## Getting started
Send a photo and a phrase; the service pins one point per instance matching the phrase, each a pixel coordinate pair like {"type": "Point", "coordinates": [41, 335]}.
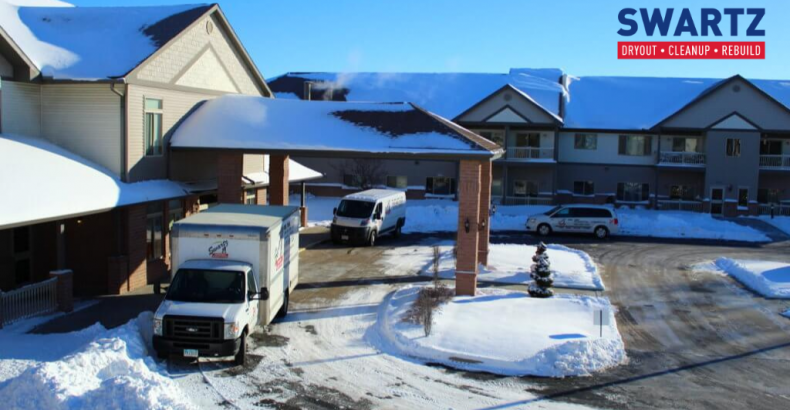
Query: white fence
{"type": "Point", "coordinates": [779, 210]}
{"type": "Point", "coordinates": [682, 158]}
{"type": "Point", "coordinates": [693, 206]}
{"type": "Point", "coordinates": [530, 154]}
{"type": "Point", "coordinates": [31, 300]}
{"type": "Point", "coordinates": [528, 200]}
{"type": "Point", "coordinates": [775, 161]}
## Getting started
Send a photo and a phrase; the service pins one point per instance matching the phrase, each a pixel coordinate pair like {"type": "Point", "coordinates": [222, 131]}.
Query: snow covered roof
{"type": "Point", "coordinates": [591, 102]}
{"type": "Point", "coordinates": [257, 124]}
{"type": "Point", "coordinates": [74, 186]}
{"type": "Point", "coordinates": [91, 43]}
{"type": "Point", "coordinates": [446, 94]}
{"type": "Point", "coordinates": [296, 173]}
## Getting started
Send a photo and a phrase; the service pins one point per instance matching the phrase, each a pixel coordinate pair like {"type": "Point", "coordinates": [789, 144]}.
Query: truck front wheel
{"type": "Point", "coordinates": [241, 356]}
{"type": "Point", "coordinates": [284, 308]}
{"type": "Point", "coordinates": [372, 239]}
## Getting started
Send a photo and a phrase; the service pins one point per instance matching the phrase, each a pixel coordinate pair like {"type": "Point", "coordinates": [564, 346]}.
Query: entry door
{"type": "Point", "coordinates": [716, 201]}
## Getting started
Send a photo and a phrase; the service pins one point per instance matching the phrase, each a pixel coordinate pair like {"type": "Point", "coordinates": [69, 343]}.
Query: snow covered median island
{"type": "Point", "coordinates": [682, 224]}
{"type": "Point", "coordinates": [780, 222]}
{"type": "Point", "coordinates": [572, 268]}
{"type": "Point", "coordinates": [105, 369]}
{"type": "Point", "coordinates": [504, 332]}
{"type": "Point", "coordinates": [770, 279]}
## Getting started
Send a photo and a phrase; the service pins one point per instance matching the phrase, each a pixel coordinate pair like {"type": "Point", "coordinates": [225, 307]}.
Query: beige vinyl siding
{"type": "Point", "coordinates": [175, 105]}
{"type": "Point", "coordinates": [174, 61]}
{"type": "Point", "coordinates": [252, 164]}
{"type": "Point", "coordinates": [21, 109]}
{"type": "Point", "coordinates": [86, 120]}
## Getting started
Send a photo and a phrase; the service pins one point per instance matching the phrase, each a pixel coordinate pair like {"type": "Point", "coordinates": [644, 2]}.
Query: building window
{"type": "Point", "coordinates": [528, 139]}
{"type": "Point", "coordinates": [493, 135]}
{"type": "Point", "coordinates": [733, 147]}
{"type": "Point", "coordinates": [635, 145]}
{"type": "Point", "coordinates": [770, 147]}
{"type": "Point", "coordinates": [633, 192]}
{"type": "Point", "coordinates": [175, 212]}
{"type": "Point", "coordinates": [768, 196]}
{"type": "Point", "coordinates": [153, 232]}
{"type": "Point", "coordinates": [351, 180]}
{"type": "Point", "coordinates": [440, 186]}
{"type": "Point", "coordinates": [583, 188]}
{"type": "Point", "coordinates": [496, 187]}
{"type": "Point", "coordinates": [585, 141]}
{"type": "Point", "coordinates": [743, 197]}
{"type": "Point", "coordinates": [682, 144]}
{"type": "Point", "coordinates": [153, 127]}
{"type": "Point", "coordinates": [681, 193]}
{"type": "Point", "coordinates": [400, 182]}
{"type": "Point", "coordinates": [249, 196]}
{"type": "Point", "coordinates": [525, 188]}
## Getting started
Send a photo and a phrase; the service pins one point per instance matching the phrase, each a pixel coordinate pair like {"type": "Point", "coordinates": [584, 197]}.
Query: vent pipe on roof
{"type": "Point", "coordinates": [308, 90]}
{"type": "Point", "coordinates": [564, 81]}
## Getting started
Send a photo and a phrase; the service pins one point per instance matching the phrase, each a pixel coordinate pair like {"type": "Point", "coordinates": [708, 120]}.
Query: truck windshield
{"type": "Point", "coordinates": [355, 209]}
{"type": "Point", "coordinates": [207, 286]}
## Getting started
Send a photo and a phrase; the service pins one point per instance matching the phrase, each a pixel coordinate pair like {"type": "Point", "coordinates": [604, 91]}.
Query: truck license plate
{"type": "Point", "coordinates": [190, 353]}
{"type": "Point", "coordinates": [344, 237]}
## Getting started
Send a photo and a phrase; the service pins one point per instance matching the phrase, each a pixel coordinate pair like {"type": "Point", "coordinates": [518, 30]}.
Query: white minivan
{"type": "Point", "coordinates": [234, 268]}
{"type": "Point", "coordinates": [366, 215]}
{"type": "Point", "coordinates": [596, 219]}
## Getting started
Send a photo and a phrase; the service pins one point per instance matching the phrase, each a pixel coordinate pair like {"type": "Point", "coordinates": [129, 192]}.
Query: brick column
{"type": "Point", "coordinates": [278, 179]}
{"type": "Point", "coordinates": [260, 196]}
{"type": "Point", "coordinates": [303, 204]}
{"type": "Point", "coordinates": [65, 289]}
{"type": "Point", "coordinates": [229, 173]}
{"type": "Point", "coordinates": [485, 207]}
{"type": "Point", "coordinates": [137, 254]}
{"type": "Point", "coordinates": [467, 238]}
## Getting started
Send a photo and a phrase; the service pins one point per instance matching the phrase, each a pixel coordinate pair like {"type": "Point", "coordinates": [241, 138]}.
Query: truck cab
{"type": "Point", "coordinates": [234, 269]}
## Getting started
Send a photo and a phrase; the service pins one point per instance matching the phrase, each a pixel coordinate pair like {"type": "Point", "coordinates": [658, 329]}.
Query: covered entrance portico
{"type": "Point", "coordinates": [281, 128]}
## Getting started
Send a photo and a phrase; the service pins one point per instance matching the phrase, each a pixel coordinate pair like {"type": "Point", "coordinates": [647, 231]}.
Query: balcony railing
{"type": "Point", "coordinates": [779, 209]}
{"type": "Point", "coordinates": [682, 158]}
{"type": "Point", "coordinates": [677, 205]}
{"type": "Point", "coordinates": [530, 154]}
{"type": "Point", "coordinates": [528, 200]}
{"type": "Point", "coordinates": [775, 161]}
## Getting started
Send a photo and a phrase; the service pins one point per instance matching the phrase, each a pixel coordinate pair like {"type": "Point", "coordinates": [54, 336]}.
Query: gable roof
{"type": "Point", "coordinates": [93, 43]}
{"type": "Point", "coordinates": [325, 128]}
{"type": "Point", "coordinates": [518, 92]}
{"type": "Point", "coordinates": [446, 94]}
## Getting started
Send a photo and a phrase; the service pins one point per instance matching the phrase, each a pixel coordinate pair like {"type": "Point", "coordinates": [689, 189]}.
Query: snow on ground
{"type": "Point", "coordinates": [780, 222]}
{"type": "Point", "coordinates": [505, 332]}
{"type": "Point", "coordinates": [507, 263]}
{"type": "Point", "coordinates": [441, 215]}
{"type": "Point", "coordinates": [770, 279]}
{"type": "Point", "coordinates": [91, 368]}
{"type": "Point", "coordinates": [682, 224]}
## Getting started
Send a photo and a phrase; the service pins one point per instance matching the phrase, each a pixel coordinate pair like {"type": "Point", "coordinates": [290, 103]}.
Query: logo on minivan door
{"type": "Point", "coordinates": [218, 250]}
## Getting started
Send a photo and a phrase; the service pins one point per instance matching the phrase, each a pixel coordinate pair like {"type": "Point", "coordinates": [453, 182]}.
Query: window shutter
{"type": "Point", "coordinates": [648, 145]}
{"type": "Point", "coordinates": [429, 185]}
{"type": "Point", "coordinates": [452, 186]}
{"type": "Point", "coordinates": [621, 145]}
{"type": "Point", "coordinates": [645, 192]}
{"type": "Point", "coordinates": [620, 190]}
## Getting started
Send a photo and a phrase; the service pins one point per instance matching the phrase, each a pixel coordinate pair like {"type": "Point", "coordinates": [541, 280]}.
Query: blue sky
{"type": "Point", "coordinates": [475, 36]}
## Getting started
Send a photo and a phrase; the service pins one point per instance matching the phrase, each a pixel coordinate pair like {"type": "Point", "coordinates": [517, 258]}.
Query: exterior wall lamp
{"type": "Point", "coordinates": [466, 225]}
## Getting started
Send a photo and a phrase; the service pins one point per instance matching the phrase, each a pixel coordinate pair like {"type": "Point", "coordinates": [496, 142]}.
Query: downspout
{"type": "Point", "coordinates": [124, 135]}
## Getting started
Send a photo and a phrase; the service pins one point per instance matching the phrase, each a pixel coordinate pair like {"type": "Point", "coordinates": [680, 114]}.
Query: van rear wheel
{"type": "Point", "coordinates": [284, 308]}
{"type": "Point", "coordinates": [241, 356]}
{"type": "Point", "coordinates": [601, 232]}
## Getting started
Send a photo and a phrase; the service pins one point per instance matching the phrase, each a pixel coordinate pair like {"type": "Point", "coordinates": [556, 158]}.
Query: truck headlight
{"type": "Point", "coordinates": [158, 327]}
{"type": "Point", "coordinates": [232, 331]}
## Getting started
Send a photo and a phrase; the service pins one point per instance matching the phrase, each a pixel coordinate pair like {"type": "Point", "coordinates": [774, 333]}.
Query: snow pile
{"type": "Point", "coordinates": [507, 263]}
{"type": "Point", "coordinates": [442, 216]}
{"type": "Point", "coordinates": [112, 371]}
{"type": "Point", "coordinates": [506, 333]}
{"type": "Point", "coordinates": [779, 222]}
{"type": "Point", "coordinates": [770, 279]}
{"type": "Point", "coordinates": [681, 224]}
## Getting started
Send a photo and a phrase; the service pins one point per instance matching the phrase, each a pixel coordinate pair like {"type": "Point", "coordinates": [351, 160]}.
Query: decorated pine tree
{"type": "Point", "coordinates": [541, 274]}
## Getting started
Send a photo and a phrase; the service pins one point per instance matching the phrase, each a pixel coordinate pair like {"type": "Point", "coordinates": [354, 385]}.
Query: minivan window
{"type": "Point", "coordinates": [355, 209]}
{"type": "Point", "coordinates": [590, 213]}
{"type": "Point", "coordinates": [552, 210]}
{"type": "Point", "coordinates": [562, 213]}
{"type": "Point", "coordinates": [207, 286]}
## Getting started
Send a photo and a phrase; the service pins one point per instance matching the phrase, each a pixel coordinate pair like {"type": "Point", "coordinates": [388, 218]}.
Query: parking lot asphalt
{"type": "Point", "coordinates": [695, 340]}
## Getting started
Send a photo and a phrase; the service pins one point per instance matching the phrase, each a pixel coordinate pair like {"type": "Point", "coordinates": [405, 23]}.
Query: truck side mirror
{"type": "Point", "coordinates": [334, 211]}
{"type": "Point", "coordinates": [264, 295]}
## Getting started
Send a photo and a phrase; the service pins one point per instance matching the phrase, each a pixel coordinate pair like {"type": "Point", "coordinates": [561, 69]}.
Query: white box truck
{"type": "Point", "coordinates": [234, 268]}
{"type": "Point", "coordinates": [366, 215]}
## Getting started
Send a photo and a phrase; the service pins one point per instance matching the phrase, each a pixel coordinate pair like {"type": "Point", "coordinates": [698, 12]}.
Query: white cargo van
{"type": "Point", "coordinates": [364, 216]}
{"type": "Point", "coordinates": [234, 267]}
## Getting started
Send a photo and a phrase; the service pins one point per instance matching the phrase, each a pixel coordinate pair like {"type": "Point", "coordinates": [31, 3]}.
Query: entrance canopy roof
{"type": "Point", "coordinates": [325, 128]}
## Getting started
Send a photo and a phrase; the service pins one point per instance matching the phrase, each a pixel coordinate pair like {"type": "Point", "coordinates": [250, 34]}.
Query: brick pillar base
{"type": "Point", "coordinates": [117, 275]}
{"type": "Point", "coordinates": [278, 179]}
{"type": "Point", "coordinates": [465, 284]}
{"type": "Point", "coordinates": [65, 289]}
{"type": "Point", "coordinates": [229, 174]}
{"type": "Point", "coordinates": [260, 196]}
{"type": "Point", "coordinates": [304, 216]}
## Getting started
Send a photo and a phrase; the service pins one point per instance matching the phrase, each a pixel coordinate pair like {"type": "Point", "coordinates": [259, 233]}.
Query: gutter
{"type": "Point", "coordinates": [124, 134]}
